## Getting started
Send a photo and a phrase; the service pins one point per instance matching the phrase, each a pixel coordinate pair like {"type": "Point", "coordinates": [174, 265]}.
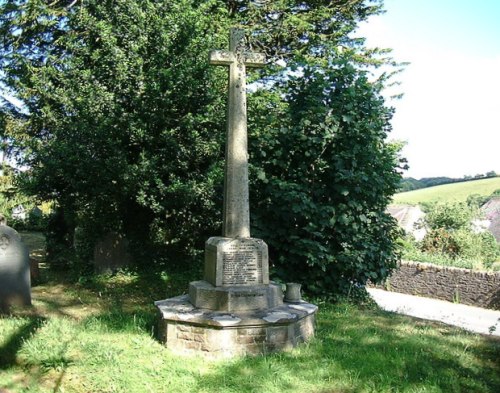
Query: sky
{"type": "Point", "coordinates": [449, 115]}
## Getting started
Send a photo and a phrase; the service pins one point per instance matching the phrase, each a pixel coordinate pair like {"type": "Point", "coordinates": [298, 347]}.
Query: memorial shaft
{"type": "Point", "coordinates": [236, 211]}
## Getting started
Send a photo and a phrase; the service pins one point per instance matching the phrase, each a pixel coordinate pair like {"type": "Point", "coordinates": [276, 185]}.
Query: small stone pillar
{"type": "Point", "coordinates": [292, 293]}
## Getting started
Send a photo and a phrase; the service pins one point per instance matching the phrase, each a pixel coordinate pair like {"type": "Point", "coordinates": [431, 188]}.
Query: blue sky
{"type": "Point", "coordinates": [450, 113]}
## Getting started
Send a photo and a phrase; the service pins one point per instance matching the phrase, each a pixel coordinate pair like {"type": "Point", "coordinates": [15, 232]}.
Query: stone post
{"type": "Point", "coordinates": [236, 212]}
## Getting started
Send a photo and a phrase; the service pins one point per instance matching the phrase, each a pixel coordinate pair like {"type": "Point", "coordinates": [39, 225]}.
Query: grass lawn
{"type": "Point", "coordinates": [457, 192]}
{"type": "Point", "coordinates": [98, 337]}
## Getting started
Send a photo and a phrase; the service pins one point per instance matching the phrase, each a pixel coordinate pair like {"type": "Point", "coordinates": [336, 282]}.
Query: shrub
{"type": "Point", "coordinates": [451, 238]}
{"type": "Point", "coordinates": [479, 248]}
{"type": "Point", "coordinates": [475, 201]}
{"type": "Point", "coordinates": [440, 241]}
{"type": "Point", "coordinates": [450, 216]}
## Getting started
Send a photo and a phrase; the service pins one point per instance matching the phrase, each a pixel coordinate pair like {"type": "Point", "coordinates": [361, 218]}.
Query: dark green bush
{"type": "Point", "coordinates": [325, 175]}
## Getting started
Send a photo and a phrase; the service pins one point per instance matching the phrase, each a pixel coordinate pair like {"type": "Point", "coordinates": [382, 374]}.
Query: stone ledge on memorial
{"type": "Point", "coordinates": [179, 309]}
{"type": "Point", "coordinates": [202, 294]}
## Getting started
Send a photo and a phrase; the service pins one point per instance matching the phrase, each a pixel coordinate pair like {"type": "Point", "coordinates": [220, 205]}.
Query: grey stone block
{"type": "Point", "coordinates": [15, 283]}
{"type": "Point", "coordinates": [111, 253]}
{"type": "Point", "coordinates": [187, 330]}
{"type": "Point", "coordinates": [236, 261]}
{"type": "Point", "coordinates": [204, 295]}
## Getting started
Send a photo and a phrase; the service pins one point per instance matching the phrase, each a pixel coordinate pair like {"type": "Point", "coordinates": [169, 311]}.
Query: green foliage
{"type": "Point", "coordinates": [59, 242]}
{"type": "Point", "coordinates": [126, 130]}
{"type": "Point", "coordinates": [440, 241]}
{"type": "Point", "coordinates": [324, 178]}
{"type": "Point", "coordinates": [482, 246]}
{"type": "Point", "coordinates": [452, 238]}
{"type": "Point", "coordinates": [11, 197]}
{"type": "Point", "coordinates": [476, 200]}
{"type": "Point", "coordinates": [450, 216]}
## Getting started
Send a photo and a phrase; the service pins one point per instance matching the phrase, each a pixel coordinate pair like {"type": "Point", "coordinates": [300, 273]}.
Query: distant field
{"type": "Point", "coordinates": [457, 192]}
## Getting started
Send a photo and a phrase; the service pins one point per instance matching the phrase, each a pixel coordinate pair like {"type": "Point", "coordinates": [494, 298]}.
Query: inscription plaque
{"type": "Point", "coordinates": [242, 264]}
{"type": "Point", "coordinates": [236, 262]}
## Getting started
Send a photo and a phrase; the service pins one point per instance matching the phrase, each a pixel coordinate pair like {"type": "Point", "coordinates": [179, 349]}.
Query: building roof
{"type": "Point", "coordinates": [491, 210]}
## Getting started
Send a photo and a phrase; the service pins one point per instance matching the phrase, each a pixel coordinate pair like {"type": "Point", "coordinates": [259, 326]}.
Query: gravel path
{"type": "Point", "coordinates": [474, 319]}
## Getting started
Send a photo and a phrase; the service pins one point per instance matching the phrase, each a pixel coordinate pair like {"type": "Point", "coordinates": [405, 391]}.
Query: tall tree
{"type": "Point", "coordinates": [122, 113]}
{"type": "Point", "coordinates": [127, 126]}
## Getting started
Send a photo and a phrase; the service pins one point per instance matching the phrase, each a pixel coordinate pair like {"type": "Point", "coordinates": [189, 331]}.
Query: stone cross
{"type": "Point", "coordinates": [236, 212]}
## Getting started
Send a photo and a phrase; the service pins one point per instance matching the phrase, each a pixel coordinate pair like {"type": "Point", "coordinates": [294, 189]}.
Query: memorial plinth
{"type": "Point", "coordinates": [235, 309]}
{"type": "Point", "coordinates": [236, 261]}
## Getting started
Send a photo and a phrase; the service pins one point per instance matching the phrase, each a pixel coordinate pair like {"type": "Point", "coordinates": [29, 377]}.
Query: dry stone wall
{"type": "Point", "coordinates": [465, 286]}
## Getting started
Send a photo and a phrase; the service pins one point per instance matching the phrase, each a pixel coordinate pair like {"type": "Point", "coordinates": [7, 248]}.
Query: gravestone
{"type": "Point", "coordinates": [235, 309]}
{"type": "Point", "coordinates": [15, 284]}
{"type": "Point", "coordinates": [111, 253]}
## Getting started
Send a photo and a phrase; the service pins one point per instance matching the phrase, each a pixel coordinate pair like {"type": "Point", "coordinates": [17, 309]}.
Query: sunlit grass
{"type": "Point", "coordinates": [109, 346]}
{"type": "Point", "coordinates": [455, 192]}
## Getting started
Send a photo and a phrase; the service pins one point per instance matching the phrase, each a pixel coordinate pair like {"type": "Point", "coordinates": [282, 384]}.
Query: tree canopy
{"type": "Point", "coordinates": [125, 128]}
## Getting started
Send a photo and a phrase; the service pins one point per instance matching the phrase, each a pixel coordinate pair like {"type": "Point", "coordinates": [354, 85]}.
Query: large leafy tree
{"type": "Point", "coordinates": [122, 114]}
{"type": "Point", "coordinates": [126, 120]}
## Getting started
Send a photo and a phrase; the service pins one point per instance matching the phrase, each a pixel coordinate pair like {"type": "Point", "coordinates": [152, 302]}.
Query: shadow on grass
{"type": "Point", "coordinates": [130, 300]}
{"type": "Point", "coordinates": [371, 351]}
{"type": "Point", "coordinates": [355, 349]}
{"type": "Point", "coordinates": [11, 347]}
{"type": "Point", "coordinates": [121, 302]}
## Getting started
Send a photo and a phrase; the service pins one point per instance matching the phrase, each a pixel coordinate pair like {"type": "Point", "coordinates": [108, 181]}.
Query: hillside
{"type": "Point", "coordinates": [449, 192]}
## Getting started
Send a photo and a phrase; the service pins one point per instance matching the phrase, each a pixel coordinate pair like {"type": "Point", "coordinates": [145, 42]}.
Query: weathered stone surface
{"type": "Point", "coordinates": [187, 330]}
{"type": "Point", "coordinates": [292, 293]}
{"type": "Point", "coordinates": [235, 310]}
{"type": "Point", "coordinates": [15, 284]}
{"type": "Point", "coordinates": [181, 310]}
{"type": "Point", "coordinates": [111, 253]}
{"type": "Point", "coordinates": [234, 262]}
{"type": "Point", "coordinates": [202, 294]}
{"type": "Point", "coordinates": [236, 213]}
{"type": "Point", "coordinates": [475, 288]}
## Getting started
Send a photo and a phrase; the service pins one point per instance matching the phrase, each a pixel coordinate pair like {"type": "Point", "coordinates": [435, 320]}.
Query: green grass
{"type": "Point", "coordinates": [457, 192]}
{"type": "Point", "coordinates": [98, 337]}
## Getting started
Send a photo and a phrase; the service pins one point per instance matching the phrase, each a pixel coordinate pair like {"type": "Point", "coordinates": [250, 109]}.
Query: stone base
{"type": "Point", "coordinates": [186, 329]}
{"type": "Point", "coordinates": [202, 294]}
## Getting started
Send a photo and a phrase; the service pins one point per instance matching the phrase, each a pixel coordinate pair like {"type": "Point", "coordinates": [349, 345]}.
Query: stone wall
{"type": "Point", "coordinates": [465, 286]}
{"type": "Point", "coordinates": [216, 342]}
